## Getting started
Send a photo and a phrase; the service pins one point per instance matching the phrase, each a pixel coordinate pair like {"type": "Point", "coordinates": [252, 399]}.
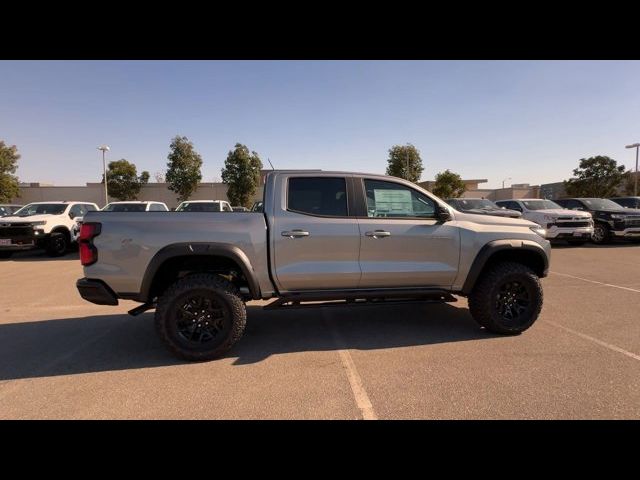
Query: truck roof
{"type": "Point", "coordinates": [135, 201]}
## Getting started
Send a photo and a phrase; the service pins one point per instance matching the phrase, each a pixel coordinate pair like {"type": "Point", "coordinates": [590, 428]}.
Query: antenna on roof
{"type": "Point", "coordinates": [269, 160]}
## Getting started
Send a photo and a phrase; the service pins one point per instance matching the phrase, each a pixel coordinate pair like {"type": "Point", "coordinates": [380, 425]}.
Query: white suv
{"type": "Point", "coordinates": [204, 206]}
{"type": "Point", "coordinates": [560, 224]}
{"type": "Point", "coordinates": [135, 206]}
{"type": "Point", "coordinates": [48, 225]}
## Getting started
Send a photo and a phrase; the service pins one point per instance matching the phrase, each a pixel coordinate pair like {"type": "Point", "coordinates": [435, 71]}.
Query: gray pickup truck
{"type": "Point", "coordinates": [322, 237]}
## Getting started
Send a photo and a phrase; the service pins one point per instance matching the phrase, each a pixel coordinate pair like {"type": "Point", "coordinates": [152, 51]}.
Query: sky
{"type": "Point", "coordinates": [530, 121]}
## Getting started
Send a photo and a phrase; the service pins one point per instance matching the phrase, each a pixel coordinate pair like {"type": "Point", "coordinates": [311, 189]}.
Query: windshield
{"type": "Point", "coordinates": [541, 205]}
{"type": "Point", "coordinates": [198, 207]}
{"type": "Point", "coordinates": [601, 204]}
{"type": "Point", "coordinates": [125, 207]}
{"type": "Point", "coordinates": [469, 204]}
{"type": "Point", "coordinates": [41, 209]}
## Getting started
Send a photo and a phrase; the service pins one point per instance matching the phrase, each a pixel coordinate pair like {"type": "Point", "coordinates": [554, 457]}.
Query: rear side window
{"type": "Point", "coordinates": [323, 196]}
{"type": "Point", "coordinates": [156, 207]}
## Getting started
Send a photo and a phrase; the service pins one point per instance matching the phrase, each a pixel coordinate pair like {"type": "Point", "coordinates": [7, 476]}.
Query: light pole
{"type": "Point", "coordinates": [635, 184]}
{"type": "Point", "coordinates": [505, 181]}
{"type": "Point", "coordinates": [105, 148]}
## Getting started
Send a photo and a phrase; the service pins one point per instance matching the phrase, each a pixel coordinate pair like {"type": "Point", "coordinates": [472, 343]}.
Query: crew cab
{"type": "Point", "coordinates": [610, 219]}
{"type": "Point", "coordinates": [560, 224]}
{"type": "Point", "coordinates": [322, 237]}
{"type": "Point", "coordinates": [47, 225]}
{"type": "Point", "coordinates": [481, 206]}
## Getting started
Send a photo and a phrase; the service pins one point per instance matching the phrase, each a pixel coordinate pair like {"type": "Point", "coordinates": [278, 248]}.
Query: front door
{"type": "Point", "coordinates": [402, 243]}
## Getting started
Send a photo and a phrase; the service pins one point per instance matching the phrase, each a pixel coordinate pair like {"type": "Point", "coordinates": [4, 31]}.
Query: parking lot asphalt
{"type": "Point", "coordinates": [61, 357]}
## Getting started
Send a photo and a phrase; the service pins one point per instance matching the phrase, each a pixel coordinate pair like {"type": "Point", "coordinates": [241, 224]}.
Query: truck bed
{"type": "Point", "coordinates": [129, 241]}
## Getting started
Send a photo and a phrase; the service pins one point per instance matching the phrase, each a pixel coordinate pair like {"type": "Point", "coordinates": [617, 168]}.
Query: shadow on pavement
{"type": "Point", "coordinates": [41, 256]}
{"type": "Point", "coordinates": [613, 244]}
{"type": "Point", "coordinates": [120, 342]}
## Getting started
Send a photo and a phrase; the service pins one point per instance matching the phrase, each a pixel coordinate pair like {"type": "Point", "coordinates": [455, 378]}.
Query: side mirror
{"type": "Point", "coordinates": [442, 214]}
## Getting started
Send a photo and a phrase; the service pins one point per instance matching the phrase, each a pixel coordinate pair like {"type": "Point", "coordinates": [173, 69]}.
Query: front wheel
{"type": "Point", "coordinates": [601, 234]}
{"type": "Point", "coordinates": [200, 317]}
{"type": "Point", "coordinates": [507, 299]}
{"type": "Point", "coordinates": [58, 244]}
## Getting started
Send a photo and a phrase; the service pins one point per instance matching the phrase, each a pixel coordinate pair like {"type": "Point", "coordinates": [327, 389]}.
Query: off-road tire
{"type": "Point", "coordinates": [601, 234]}
{"type": "Point", "coordinates": [57, 244]}
{"type": "Point", "coordinates": [221, 293]}
{"type": "Point", "coordinates": [484, 303]}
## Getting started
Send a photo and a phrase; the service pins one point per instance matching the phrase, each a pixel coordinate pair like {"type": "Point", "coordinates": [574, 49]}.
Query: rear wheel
{"type": "Point", "coordinates": [601, 234]}
{"type": "Point", "coordinates": [200, 317]}
{"type": "Point", "coordinates": [58, 244]}
{"type": "Point", "coordinates": [507, 299]}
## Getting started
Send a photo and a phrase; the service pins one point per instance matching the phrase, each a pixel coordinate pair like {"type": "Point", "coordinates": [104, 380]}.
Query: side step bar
{"type": "Point", "coordinates": [364, 297]}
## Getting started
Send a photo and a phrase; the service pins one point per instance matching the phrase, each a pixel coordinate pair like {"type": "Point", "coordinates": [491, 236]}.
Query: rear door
{"type": "Point", "coordinates": [402, 243]}
{"type": "Point", "coordinates": [315, 240]}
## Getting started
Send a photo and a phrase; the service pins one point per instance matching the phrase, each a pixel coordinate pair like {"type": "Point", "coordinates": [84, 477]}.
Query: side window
{"type": "Point", "coordinates": [89, 208]}
{"type": "Point", "coordinates": [156, 207]}
{"type": "Point", "coordinates": [76, 211]}
{"type": "Point", "coordinates": [389, 199]}
{"type": "Point", "coordinates": [324, 196]}
{"type": "Point", "coordinates": [514, 206]}
{"type": "Point", "coordinates": [574, 205]}
{"type": "Point", "coordinates": [625, 202]}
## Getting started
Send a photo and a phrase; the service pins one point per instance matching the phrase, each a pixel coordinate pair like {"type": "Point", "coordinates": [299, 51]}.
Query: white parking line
{"type": "Point", "coordinates": [599, 283]}
{"type": "Point", "coordinates": [355, 381]}
{"type": "Point", "coordinates": [595, 340]}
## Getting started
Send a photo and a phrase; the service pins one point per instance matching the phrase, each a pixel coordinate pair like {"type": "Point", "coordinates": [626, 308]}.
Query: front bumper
{"type": "Point", "coordinates": [632, 232]}
{"type": "Point", "coordinates": [554, 233]}
{"type": "Point", "coordinates": [13, 239]}
{"type": "Point", "coordinates": [96, 291]}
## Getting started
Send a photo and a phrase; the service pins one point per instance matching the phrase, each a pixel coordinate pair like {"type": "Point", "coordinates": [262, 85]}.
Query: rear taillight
{"type": "Point", "coordinates": [88, 251]}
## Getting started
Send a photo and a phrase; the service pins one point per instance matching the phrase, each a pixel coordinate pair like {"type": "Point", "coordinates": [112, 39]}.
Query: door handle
{"type": "Point", "coordinates": [295, 234]}
{"type": "Point", "coordinates": [378, 234]}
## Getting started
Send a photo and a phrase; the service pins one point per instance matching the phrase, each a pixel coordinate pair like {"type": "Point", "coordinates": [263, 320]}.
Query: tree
{"type": "Point", "coordinates": [630, 182]}
{"type": "Point", "coordinates": [241, 173]}
{"type": "Point", "coordinates": [183, 168]}
{"type": "Point", "coordinates": [9, 185]}
{"type": "Point", "coordinates": [123, 180]}
{"type": "Point", "coordinates": [405, 162]}
{"type": "Point", "coordinates": [449, 185]}
{"type": "Point", "coordinates": [159, 176]}
{"type": "Point", "coordinates": [598, 176]}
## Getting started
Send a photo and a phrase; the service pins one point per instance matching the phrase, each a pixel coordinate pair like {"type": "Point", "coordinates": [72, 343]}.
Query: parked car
{"type": "Point", "coordinates": [7, 209]}
{"type": "Point", "coordinates": [627, 202]}
{"type": "Point", "coordinates": [135, 206]}
{"type": "Point", "coordinates": [204, 206]}
{"type": "Point", "coordinates": [610, 219]}
{"type": "Point", "coordinates": [481, 206]}
{"type": "Point", "coordinates": [45, 225]}
{"type": "Point", "coordinates": [257, 207]}
{"type": "Point", "coordinates": [324, 236]}
{"type": "Point", "coordinates": [240, 209]}
{"type": "Point", "coordinates": [560, 224]}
